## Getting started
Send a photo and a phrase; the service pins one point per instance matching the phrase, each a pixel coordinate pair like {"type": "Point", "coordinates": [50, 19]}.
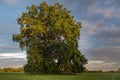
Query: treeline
{"type": "Point", "coordinates": [100, 71]}
{"type": "Point", "coordinates": [20, 69]}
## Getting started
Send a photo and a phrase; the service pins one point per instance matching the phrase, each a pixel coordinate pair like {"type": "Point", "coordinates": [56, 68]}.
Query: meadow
{"type": "Point", "coordinates": [82, 76]}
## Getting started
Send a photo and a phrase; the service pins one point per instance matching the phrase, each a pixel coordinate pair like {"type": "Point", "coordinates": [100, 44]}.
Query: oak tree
{"type": "Point", "coordinates": [50, 35]}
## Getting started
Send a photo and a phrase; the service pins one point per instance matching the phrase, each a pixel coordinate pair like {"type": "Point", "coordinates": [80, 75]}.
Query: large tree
{"type": "Point", "coordinates": [50, 35]}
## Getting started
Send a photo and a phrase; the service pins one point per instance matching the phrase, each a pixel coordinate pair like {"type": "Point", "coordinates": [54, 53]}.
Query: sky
{"type": "Point", "coordinates": [100, 32]}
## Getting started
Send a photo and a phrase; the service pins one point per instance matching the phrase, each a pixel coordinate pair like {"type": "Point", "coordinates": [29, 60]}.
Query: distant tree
{"type": "Point", "coordinates": [5, 70]}
{"type": "Point", "coordinates": [50, 35]}
{"type": "Point", "coordinates": [9, 69]}
{"type": "Point", "coordinates": [118, 70]}
{"type": "Point", "coordinates": [0, 70]}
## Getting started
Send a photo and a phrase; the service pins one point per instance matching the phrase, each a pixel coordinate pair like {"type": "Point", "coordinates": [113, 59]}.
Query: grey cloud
{"type": "Point", "coordinates": [108, 54]}
{"type": "Point", "coordinates": [102, 65]}
{"type": "Point", "coordinates": [13, 62]}
{"type": "Point", "coordinates": [87, 4]}
{"type": "Point", "coordinates": [116, 3]}
{"type": "Point", "coordinates": [9, 47]}
{"type": "Point", "coordinates": [105, 46]}
{"type": "Point", "coordinates": [106, 11]}
{"type": "Point", "coordinates": [8, 29]}
{"type": "Point", "coordinates": [103, 40]}
{"type": "Point", "coordinates": [90, 28]}
{"type": "Point", "coordinates": [108, 36]}
{"type": "Point", "coordinates": [9, 2]}
{"type": "Point", "coordinates": [101, 32]}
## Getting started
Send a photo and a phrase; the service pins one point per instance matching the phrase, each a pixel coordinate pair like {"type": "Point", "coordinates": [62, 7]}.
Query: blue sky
{"type": "Point", "coordinates": [100, 33]}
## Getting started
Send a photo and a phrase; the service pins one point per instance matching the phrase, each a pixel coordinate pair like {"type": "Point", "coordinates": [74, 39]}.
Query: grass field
{"type": "Point", "coordinates": [83, 76]}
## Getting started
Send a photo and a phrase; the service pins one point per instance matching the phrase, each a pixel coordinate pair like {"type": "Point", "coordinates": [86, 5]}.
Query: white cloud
{"type": "Point", "coordinates": [96, 62]}
{"type": "Point", "coordinates": [101, 65]}
{"type": "Point", "coordinates": [107, 12]}
{"type": "Point", "coordinates": [12, 55]}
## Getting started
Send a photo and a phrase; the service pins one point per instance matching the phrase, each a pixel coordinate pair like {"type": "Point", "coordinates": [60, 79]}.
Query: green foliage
{"type": "Point", "coordinates": [50, 36]}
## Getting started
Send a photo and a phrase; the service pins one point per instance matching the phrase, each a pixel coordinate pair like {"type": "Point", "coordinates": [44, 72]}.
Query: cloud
{"type": "Point", "coordinates": [14, 62]}
{"type": "Point", "coordinates": [101, 65]}
{"type": "Point", "coordinates": [108, 12]}
{"type": "Point", "coordinates": [9, 2]}
{"type": "Point", "coordinates": [6, 29]}
{"type": "Point", "coordinates": [108, 54]}
{"type": "Point", "coordinates": [107, 9]}
{"type": "Point", "coordinates": [103, 40]}
{"type": "Point", "coordinates": [103, 32]}
{"type": "Point", "coordinates": [90, 28]}
{"type": "Point", "coordinates": [108, 36]}
{"type": "Point", "coordinates": [12, 55]}
{"type": "Point", "coordinates": [9, 47]}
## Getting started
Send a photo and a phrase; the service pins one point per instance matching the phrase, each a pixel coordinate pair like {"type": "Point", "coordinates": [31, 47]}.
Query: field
{"type": "Point", "coordinates": [83, 76]}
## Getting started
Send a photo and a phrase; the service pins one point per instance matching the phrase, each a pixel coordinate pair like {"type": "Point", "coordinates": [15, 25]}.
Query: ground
{"type": "Point", "coordinates": [82, 76]}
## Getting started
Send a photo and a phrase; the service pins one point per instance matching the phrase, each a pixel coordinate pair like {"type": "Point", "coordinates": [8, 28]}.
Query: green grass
{"type": "Point", "coordinates": [83, 76]}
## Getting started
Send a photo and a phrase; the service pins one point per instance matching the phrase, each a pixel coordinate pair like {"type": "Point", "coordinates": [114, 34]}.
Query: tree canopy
{"type": "Point", "coordinates": [50, 35]}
